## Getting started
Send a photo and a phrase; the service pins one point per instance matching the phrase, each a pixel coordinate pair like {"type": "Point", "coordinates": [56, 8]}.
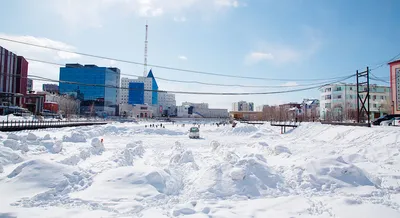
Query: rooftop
{"type": "Point", "coordinates": [394, 62]}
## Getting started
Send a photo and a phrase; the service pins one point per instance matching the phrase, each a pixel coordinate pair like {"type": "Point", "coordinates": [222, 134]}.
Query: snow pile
{"type": "Point", "coordinates": [250, 177]}
{"type": "Point", "coordinates": [75, 137]}
{"type": "Point", "coordinates": [331, 173]}
{"type": "Point", "coordinates": [31, 137]}
{"type": "Point", "coordinates": [9, 156]}
{"type": "Point", "coordinates": [16, 145]}
{"type": "Point", "coordinates": [52, 146]}
{"type": "Point", "coordinates": [159, 131]}
{"type": "Point", "coordinates": [240, 129]}
{"type": "Point", "coordinates": [57, 180]}
{"type": "Point", "coordinates": [131, 152]}
{"type": "Point", "coordinates": [97, 146]}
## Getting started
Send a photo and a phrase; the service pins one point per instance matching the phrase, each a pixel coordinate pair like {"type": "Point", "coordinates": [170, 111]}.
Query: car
{"type": "Point", "coordinates": [378, 121]}
{"type": "Point", "coordinates": [194, 133]}
{"type": "Point", "coordinates": [392, 122]}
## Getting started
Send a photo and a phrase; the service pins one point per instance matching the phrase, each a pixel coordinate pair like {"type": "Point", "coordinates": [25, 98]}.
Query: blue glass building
{"type": "Point", "coordinates": [154, 95]}
{"type": "Point", "coordinates": [97, 85]}
{"type": "Point", "coordinates": [136, 93]}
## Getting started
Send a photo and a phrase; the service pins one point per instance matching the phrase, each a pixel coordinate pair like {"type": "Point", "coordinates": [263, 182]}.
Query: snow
{"type": "Point", "coordinates": [129, 170]}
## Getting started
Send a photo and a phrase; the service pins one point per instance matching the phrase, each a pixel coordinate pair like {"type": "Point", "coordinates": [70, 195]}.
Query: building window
{"type": "Point", "coordinates": [351, 88]}
{"type": "Point", "coordinates": [339, 96]}
{"type": "Point", "coordinates": [374, 97]}
{"type": "Point", "coordinates": [328, 97]}
{"type": "Point", "coordinates": [382, 97]}
{"type": "Point", "coordinates": [339, 88]}
{"type": "Point", "coordinates": [374, 105]}
{"type": "Point", "coordinates": [327, 105]}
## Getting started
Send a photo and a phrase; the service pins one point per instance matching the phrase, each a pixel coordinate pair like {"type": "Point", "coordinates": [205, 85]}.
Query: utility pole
{"type": "Point", "coordinates": [145, 51]}
{"type": "Point", "coordinates": [363, 101]}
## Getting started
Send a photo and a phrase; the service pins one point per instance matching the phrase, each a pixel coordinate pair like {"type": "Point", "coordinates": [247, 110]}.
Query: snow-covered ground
{"type": "Point", "coordinates": [249, 171]}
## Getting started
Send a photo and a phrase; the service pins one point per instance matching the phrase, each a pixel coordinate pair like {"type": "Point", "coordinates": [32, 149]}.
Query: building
{"type": "Point", "coordinates": [243, 106]}
{"type": "Point", "coordinates": [395, 86]}
{"type": "Point", "coordinates": [310, 110]}
{"type": "Point", "coordinates": [339, 101]}
{"type": "Point", "coordinates": [247, 115]}
{"type": "Point", "coordinates": [136, 111]}
{"type": "Point", "coordinates": [137, 92]}
{"type": "Point", "coordinates": [13, 78]}
{"type": "Point", "coordinates": [95, 85]}
{"type": "Point", "coordinates": [29, 85]}
{"type": "Point", "coordinates": [200, 110]}
{"type": "Point", "coordinates": [66, 104]}
{"type": "Point", "coordinates": [53, 88]}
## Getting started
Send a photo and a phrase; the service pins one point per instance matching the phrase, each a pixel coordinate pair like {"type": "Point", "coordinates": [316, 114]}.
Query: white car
{"type": "Point", "coordinates": [194, 133]}
{"type": "Point", "coordinates": [392, 122]}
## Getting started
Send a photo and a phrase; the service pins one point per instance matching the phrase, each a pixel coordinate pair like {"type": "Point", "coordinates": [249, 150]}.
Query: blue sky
{"type": "Point", "coordinates": [287, 39]}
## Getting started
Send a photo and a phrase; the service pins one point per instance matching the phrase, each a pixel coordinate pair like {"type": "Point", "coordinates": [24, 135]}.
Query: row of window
{"type": "Point", "coordinates": [373, 89]}
{"type": "Point", "coordinates": [372, 97]}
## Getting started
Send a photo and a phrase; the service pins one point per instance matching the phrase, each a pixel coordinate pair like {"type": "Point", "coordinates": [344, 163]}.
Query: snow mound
{"type": "Point", "coordinates": [97, 146]}
{"type": "Point", "coordinates": [72, 161]}
{"type": "Point", "coordinates": [280, 149]}
{"type": "Point", "coordinates": [159, 131]}
{"type": "Point", "coordinates": [250, 177]}
{"type": "Point", "coordinates": [41, 173]}
{"type": "Point", "coordinates": [58, 179]}
{"type": "Point", "coordinates": [31, 137]}
{"type": "Point", "coordinates": [13, 136]}
{"type": "Point", "coordinates": [1, 169]}
{"type": "Point", "coordinates": [331, 173]}
{"type": "Point", "coordinates": [75, 137]}
{"type": "Point", "coordinates": [15, 145]}
{"type": "Point", "coordinates": [46, 137]}
{"type": "Point", "coordinates": [241, 130]}
{"type": "Point", "coordinates": [130, 153]}
{"type": "Point", "coordinates": [145, 182]}
{"type": "Point", "coordinates": [182, 158]}
{"type": "Point", "coordinates": [51, 146]}
{"type": "Point", "coordinates": [8, 156]}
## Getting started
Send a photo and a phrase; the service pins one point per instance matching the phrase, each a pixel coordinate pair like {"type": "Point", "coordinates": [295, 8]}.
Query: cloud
{"type": "Point", "coordinates": [290, 84]}
{"type": "Point", "coordinates": [255, 57]}
{"type": "Point", "coordinates": [92, 13]}
{"type": "Point", "coordinates": [182, 57]}
{"type": "Point", "coordinates": [179, 19]}
{"type": "Point", "coordinates": [285, 53]}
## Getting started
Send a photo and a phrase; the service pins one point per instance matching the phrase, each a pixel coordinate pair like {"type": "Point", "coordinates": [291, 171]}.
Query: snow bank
{"type": "Point", "coordinates": [159, 131]}
{"type": "Point", "coordinates": [241, 129]}
{"type": "Point", "coordinates": [331, 173]}
{"type": "Point", "coordinates": [8, 156]}
{"type": "Point", "coordinates": [131, 152]}
{"type": "Point", "coordinates": [16, 145]}
{"type": "Point", "coordinates": [52, 146]}
{"type": "Point", "coordinates": [75, 137]}
{"type": "Point", "coordinates": [31, 137]}
{"type": "Point", "coordinates": [41, 173]}
{"type": "Point", "coordinates": [250, 177]}
{"type": "Point", "coordinates": [97, 146]}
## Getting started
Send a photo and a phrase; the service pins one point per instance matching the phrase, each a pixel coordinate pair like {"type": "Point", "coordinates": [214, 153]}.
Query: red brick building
{"type": "Point", "coordinates": [13, 77]}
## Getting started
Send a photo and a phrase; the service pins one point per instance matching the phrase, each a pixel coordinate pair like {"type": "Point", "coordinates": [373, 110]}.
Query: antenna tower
{"type": "Point", "coordinates": [145, 51]}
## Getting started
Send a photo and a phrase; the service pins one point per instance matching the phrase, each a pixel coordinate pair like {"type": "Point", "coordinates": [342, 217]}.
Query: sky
{"type": "Point", "coordinates": [295, 41]}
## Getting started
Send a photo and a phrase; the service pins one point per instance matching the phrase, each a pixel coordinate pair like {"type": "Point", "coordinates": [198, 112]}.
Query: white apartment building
{"type": "Point", "coordinates": [200, 110]}
{"type": "Point", "coordinates": [166, 99]}
{"type": "Point", "coordinates": [124, 93]}
{"type": "Point", "coordinates": [339, 99]}
{"type": "Point", "coordinates": [243, 106]}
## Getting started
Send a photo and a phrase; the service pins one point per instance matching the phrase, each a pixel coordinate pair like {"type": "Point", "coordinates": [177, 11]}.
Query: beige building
{"type": "Point", "coordinates": [395, 86]}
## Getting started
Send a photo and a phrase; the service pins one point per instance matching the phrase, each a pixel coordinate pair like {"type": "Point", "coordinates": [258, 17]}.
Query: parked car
{"type": "Point", "coordinates": [378, 121]}
{"type": "Point", "coordinates": [392, 122]}
{"type": "Point", "coordinates": [194, 133]}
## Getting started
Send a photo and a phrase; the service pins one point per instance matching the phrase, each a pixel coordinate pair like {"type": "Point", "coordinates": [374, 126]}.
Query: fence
{"type": "Point", "coordinates": [17, 125]}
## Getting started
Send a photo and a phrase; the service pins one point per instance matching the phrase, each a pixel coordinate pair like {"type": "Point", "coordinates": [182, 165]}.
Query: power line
{"type": "Point", "coordinates": [204, 83]}
{"type": "Point", "coordinates": [186, 92]}
{"type": "Point", "coordinates": [162, 67]}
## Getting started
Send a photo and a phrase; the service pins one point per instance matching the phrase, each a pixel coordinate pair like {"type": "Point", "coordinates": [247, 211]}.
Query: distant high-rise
{"type": "Point", "coordinates": [243, 106]}
{"type": "Point", "coordinates": [132, 91]}
{"type": "Point", "coordinates": [50, 88]}
{"type": "Point", "coordinates": [99, 87]}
